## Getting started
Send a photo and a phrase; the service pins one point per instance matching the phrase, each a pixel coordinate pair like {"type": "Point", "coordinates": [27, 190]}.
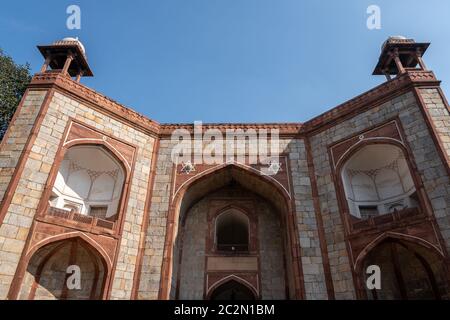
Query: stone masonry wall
{"type": "Point", "coordinates": [13, 233]}
{"type": "Point", "coordinates": [438, 182]}
{"type": "Point", "coordinates": [429, 164]}
{"type": "Point", "coordinates": [311, 255]}
{"type": "Point", "coordinates": [154, 242]}
{"type": "Point", "coordinates": [14, 230]}
{"type": "Point", "coordinates": [439, 114]}
{"type": "Point", "coordinates": [270, 252]}
{"type": "Point", "coordinates": [19, 131]}
{"type": "Point", "coordinates": [192, 271]}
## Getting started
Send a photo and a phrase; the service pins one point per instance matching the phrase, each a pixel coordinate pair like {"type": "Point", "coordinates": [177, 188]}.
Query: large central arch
{"type": "Point", "coordinates": [251, 179]}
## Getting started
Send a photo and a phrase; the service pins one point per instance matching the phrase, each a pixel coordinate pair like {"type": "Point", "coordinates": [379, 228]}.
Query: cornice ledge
{"type": "Point", "coordinates": [360, 103]}
{"type": "Point", "coordinates": [423, 77]}
{"type": "Point", "coordinates": [102, 102]}
{"type": "Point", "coordinates": [370, 98]}
{"type": "Point", "coordinates": [285, 129]}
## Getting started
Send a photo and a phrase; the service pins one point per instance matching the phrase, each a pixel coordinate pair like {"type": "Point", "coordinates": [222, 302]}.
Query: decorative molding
{"type": "Point", "coordinates": [285, 129]}
{"type": "Point", "coordinates": [89, 95]}
{"type": "Point", "coordinates": [182, 178]}
{"type": "Point", "coordinates": [389, 130]}
{"type": "Point", "coordinates": [79, 132]}
{"type": "Point", "coordinates": [360, 103]}
{"type": "Point", "coordinates": [371, 98]}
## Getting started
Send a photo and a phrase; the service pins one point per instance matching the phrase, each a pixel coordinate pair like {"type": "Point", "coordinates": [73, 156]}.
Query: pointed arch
{"type": "Point", "coordinates": [269, 179]}
{"type": "Point", "coordinates": [99, 142]}
{"type": "Point", "coordinates": [365, 142]}
{"type": "Point", "coordinates": [242, 219]}
{"type": "Point", "coordinates": [414, 195]}
{"type": "Point", "coordinates": [394, 235]}
{"type": "Point", "coordinates": [98, 256]}
{"type": "Point", "coordinates": [231, 278]}
{"type": "Point", "coordinates": [284, 195]}
{"type": "Point", "coordinates": [232, 207]}
{"type": "Point", "coordinates": [65, 236]}
{"type": "Point", "coordinates": [115, 207]}
{"type": "Point", "coordinates": [268, 188]}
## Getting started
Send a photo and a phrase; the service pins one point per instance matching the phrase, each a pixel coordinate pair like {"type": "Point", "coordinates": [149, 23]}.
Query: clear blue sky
{"type": "Point", "coordinates": [229, 60]}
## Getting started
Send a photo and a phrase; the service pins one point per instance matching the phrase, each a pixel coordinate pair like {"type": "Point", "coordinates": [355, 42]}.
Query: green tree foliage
{"type": "Point", "coordinates": [14, 79]}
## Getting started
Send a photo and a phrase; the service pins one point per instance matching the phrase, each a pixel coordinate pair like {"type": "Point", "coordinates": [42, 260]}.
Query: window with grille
{"type": "Point", "coordinates": [98, 211]}
{"type": "Point", "coordinates": [368, 211]}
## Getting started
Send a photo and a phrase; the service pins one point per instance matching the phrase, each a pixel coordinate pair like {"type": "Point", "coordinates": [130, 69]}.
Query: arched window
{"type": "Point", "coordinates": [377, 180]}
{"type": "Point", "coordinates": [89, 182]}
{"type": "Point", "coordinates": [232, 231]}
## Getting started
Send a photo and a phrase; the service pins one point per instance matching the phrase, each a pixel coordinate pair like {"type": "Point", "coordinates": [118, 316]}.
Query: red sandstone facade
{"type": "Point", "coordinates": [226, 230]}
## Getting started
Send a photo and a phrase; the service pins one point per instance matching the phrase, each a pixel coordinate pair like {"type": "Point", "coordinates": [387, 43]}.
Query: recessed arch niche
{"type": "Point", "coordinates": [89, 181]}
{"type": "Point", "coordinates": [228, 182]}
{"type": "Point", "coordinates": [377, 180]}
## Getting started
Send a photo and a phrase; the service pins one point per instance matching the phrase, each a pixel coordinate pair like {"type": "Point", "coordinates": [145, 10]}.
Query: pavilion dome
{"type": "Point", "coordinates": [396, 39]}
{"type": "Point", "coordinates": [71, 40]}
